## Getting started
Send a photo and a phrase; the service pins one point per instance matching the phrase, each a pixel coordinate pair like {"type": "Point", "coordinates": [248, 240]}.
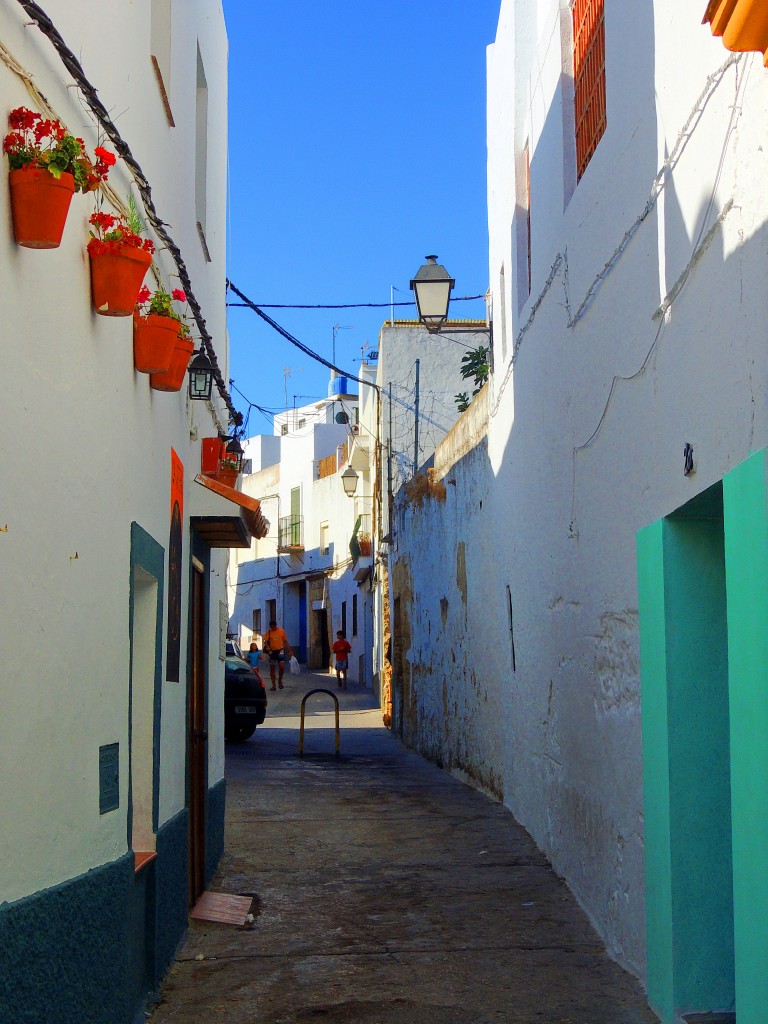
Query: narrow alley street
{"type": "Point", "coordinates": [384, 890]}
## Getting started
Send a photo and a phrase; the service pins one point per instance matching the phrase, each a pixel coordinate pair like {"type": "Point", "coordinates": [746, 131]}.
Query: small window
{"type": "Point", "coordinates": [325, 548]}
{"type": "Point", "coordinates": [160, 46]}
{"type": "Point", "coordinates": [283, 429]}
{"type": "Point", "coordinates": [302, 424]}
{"type": "Point", "coordinates": [271, 611]}
{"type": "Point", "coordinates": [503, 312]}
{"type": "Point", "coordinates": [257, 620]}
{"type": "Point", "coordinates": [589, 78]}
{"type": "Point", "coordinates": [201, 153]}
{"type": "Point", "coordinates": [354, 615]}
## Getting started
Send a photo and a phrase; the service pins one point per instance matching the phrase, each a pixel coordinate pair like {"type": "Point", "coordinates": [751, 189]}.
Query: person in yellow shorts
{"type": "Point", "coordinates": [275, 644]}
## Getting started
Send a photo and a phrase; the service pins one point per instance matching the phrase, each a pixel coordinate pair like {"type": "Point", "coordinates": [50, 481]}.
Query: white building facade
{"type": "Point", "coordinates": [114, 604]}
{"type": "Point", "coordinates": [615, 503]}
{"type": "Point", "coordinates": [312, 572]}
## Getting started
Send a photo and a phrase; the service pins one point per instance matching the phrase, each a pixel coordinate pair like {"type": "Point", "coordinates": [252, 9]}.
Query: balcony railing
{"type": "Point", "coordinates": [290, 533]}
{"type": "Point", "coordinates": [360, 544]}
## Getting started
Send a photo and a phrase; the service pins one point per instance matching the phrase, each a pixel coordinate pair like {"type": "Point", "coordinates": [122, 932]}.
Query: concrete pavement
{"type": "Point", "coordinates": [384, 892]}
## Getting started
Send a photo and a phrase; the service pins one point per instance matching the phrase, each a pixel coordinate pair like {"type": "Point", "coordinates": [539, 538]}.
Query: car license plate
{"type": "Point", "coordinates": [240, 710]}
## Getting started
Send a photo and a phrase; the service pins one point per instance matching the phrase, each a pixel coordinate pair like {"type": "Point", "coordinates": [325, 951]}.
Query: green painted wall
{"type": "Point", "coordinates": [746, 549]}
{"type": "Point", "coordinates": [658, 858]}
{"type": "Point", "coordinates": [686, 760]}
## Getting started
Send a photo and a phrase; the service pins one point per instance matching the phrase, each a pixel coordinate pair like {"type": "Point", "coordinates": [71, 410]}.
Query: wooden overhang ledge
{"type": "Point", "coordinates": [229, 531]}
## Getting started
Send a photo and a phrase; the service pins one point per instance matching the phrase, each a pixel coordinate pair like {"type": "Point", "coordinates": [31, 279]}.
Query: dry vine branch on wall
{"type": "Point", "coordinates": [423, 486]}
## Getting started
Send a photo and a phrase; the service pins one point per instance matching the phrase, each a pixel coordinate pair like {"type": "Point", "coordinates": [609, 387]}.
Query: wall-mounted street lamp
{"type": "Point", "coordinates": [349, 480]}
{"type": "Point", "coordinates": [234, 452]}
{"type": "Point", "coordinates": [200, 377]}
{"type": "Point", "coordinates": [432, 287]}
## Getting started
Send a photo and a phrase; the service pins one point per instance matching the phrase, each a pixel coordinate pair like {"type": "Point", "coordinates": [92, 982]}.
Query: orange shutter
{"type": "Point", "coordinates": [589, 78]}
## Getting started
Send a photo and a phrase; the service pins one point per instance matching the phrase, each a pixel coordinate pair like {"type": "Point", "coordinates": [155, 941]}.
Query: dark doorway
{"type": "Point", "coordinates": [322, 631]}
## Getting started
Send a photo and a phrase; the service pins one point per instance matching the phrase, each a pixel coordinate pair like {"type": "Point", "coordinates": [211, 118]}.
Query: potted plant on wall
{"type": "Point", "coordinates": [47, 166]}
{"type": "Point", "coordinates": [119, 260]}
{"type": "Point", "coordinates": [228, 470]}
{"type": "Point", "coordinates": [156, 328]}
{"type": "Point", "coordinates": [364, 542]}
{"type": "Point", "coordinates": [173, 378]}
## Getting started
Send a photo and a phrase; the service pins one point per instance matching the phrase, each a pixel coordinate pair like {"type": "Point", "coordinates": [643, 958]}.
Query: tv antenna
{"type": "Point", "coordinates": [336, 329]}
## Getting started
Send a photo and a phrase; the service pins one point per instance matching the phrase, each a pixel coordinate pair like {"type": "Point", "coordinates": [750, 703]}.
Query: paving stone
{"type": "Point", "coordinates": [385, 891]}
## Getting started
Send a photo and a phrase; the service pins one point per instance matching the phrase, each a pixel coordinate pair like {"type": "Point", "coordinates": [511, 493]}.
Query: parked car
{"type": "Point", "coordinates": [233, 649]}
{"type": "Point", "coordinates": [245, 699]}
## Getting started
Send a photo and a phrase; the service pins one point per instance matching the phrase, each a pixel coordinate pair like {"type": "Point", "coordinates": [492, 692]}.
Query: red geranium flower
{"type": "Point", "coordinates": [179, 295]}
{"type": "Point", "coordinates": [105, 156]}
{"type": "Point", "coordinates": [45, 143]}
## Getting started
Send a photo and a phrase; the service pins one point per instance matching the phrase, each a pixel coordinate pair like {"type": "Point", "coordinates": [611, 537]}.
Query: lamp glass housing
{"type": "Point", "coordinates": [349, 481]}
{"type": "Point", "coordinates": [200, 378]}
{"type": "Point", "coordinates": [432, 287]}
{"type": "Point", "coordinates": [234, 450]}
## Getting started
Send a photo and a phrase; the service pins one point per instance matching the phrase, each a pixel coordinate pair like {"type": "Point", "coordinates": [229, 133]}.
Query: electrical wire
{"type": "Point", "coordinates": [344, 305]}
{"type": "Point", "coordinates": [295, 341]}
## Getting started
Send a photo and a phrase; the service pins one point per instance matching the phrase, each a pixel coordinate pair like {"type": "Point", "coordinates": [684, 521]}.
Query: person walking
{"type": "Point", "coordinates": [252, 656]}
{"type": "Point", "coordinates": [341, 649]}
{"type": "Point", "coordinates": [275, 644]}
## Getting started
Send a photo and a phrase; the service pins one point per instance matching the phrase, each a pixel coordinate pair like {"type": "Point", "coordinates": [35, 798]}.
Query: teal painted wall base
{"type": "Point", "coordinates": [171, 875]}
{"type": "Point", "coordinates": [75, 952]}
{"type": "Point", "coordinates": [214, 828]}
{"type": "Point", "coordinates": [64, 951]}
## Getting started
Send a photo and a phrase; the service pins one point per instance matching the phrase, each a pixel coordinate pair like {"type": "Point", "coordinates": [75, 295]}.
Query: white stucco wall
{"type": "Point", "coordinates": [567, 521]}
{"type": "Point", "coordinates": [86, 449]}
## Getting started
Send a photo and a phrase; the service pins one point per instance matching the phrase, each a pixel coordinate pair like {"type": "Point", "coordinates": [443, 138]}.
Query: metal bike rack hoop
{"type": "Point", "coordinates": [301, 729]}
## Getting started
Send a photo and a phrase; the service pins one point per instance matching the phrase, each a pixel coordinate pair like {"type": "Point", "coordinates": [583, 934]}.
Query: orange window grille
{"type": "Point", "coordinates": [589, 78]}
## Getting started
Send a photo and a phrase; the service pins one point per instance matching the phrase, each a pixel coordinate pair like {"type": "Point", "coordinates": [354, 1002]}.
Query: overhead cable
{"type": "Point", "coordinates": [345, 305]}
{"type": "Point", "coordinates": [295, 341]}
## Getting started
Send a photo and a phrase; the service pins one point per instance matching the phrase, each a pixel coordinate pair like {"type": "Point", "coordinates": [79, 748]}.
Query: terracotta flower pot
{"type": "Point", "coordinates": [116, 278]}
{"type": "Point", "coordinates": [228, 477]}
{"type": "Point", "coordinates": [154, 341]}
{"type": "Point", "coordinates": [173, 378]}
{"type": "Point", "coordinates": [39, 204]}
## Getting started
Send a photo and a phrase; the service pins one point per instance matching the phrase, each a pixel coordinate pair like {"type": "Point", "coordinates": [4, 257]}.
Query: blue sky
{"type": "Point", "coordinates": [357, 146]}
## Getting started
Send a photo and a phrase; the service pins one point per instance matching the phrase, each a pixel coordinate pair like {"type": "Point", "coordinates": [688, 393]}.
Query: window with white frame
{"type": "Point", "coordinates": [201, 152]}
{"type": "Point", "coordinates": [325, 548]}
{"type": "Point", "coordinates": [160, 51]}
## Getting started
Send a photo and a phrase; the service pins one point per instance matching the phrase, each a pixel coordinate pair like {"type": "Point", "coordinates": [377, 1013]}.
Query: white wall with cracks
{"type": "Point", "coordinates": [644, 330]}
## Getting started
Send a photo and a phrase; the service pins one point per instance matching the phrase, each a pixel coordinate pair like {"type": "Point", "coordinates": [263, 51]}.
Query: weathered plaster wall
{"type": "Point", "coordinates": [448, 640]}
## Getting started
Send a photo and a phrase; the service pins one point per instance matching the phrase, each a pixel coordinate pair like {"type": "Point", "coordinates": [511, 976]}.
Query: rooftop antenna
{"type": "Point", "coordinates": [336, 329]}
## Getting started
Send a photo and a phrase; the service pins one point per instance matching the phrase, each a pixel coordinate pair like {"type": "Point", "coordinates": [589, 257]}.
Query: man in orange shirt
{"type": "Point", "coordinates": [341, 649]}
{"type": "Point", "coordinates": [275, 643]}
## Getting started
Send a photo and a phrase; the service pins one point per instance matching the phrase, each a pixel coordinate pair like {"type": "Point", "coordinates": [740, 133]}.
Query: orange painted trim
{"type": "Point", "coordinates": [141, 859]}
